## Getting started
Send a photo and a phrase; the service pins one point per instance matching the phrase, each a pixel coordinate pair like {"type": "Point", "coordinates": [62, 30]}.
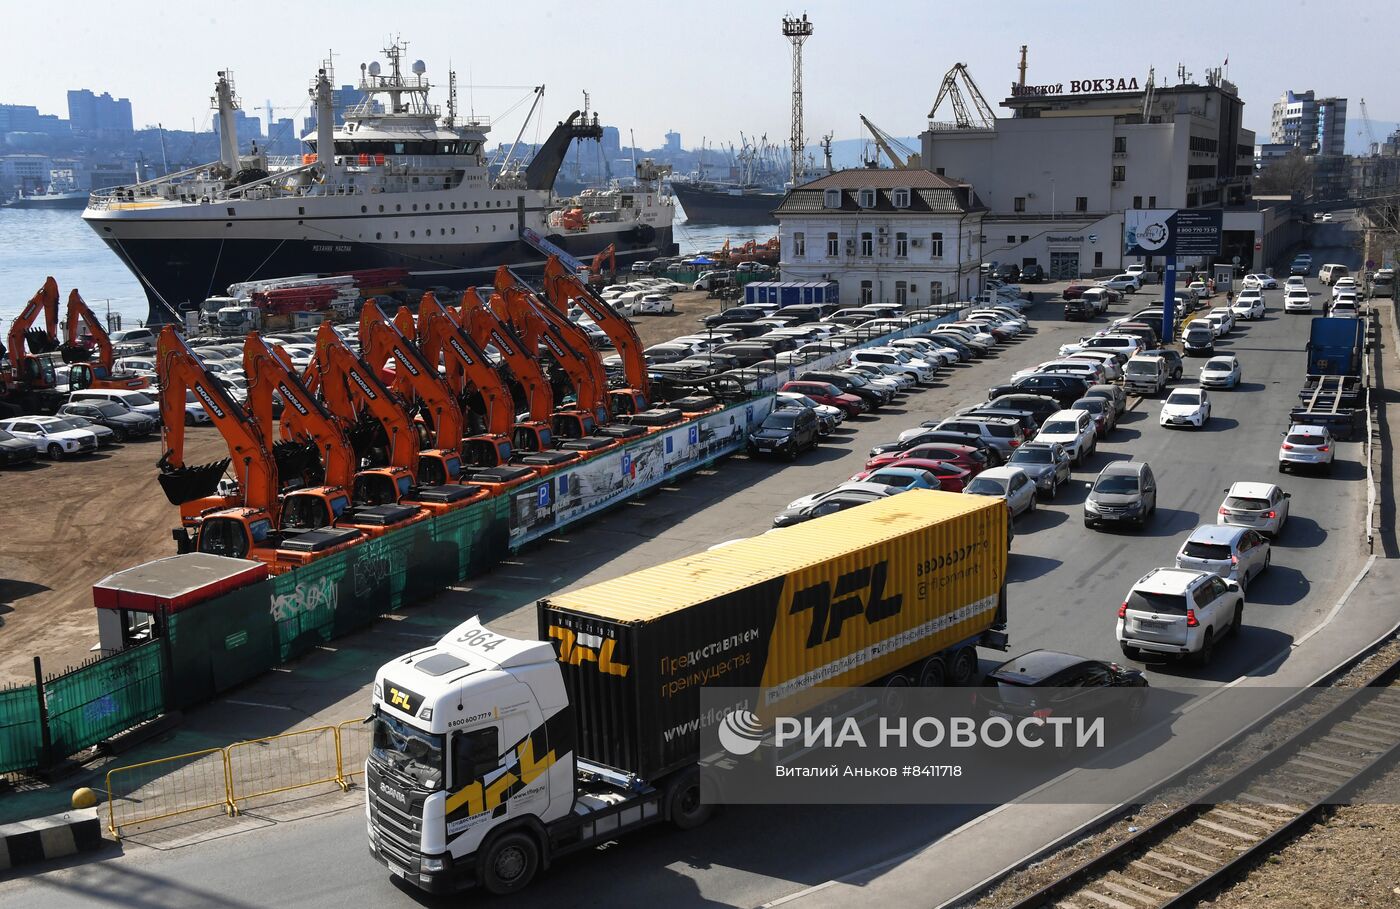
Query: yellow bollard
{"type": "Point", "coordinates": [84, 798]}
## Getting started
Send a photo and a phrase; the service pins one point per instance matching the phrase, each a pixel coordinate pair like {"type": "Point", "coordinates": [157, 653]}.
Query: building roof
{"type": "Point", "coordinates": [929, 193]}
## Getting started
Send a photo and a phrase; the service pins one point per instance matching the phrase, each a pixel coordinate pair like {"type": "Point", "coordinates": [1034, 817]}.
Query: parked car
{"type": "Point", "coordinates": [1261, 506]}
{"type": "Point", "coordinates": [903, 477]}
{"type": "Point", "coordinates": [1301, 266]}
{"type": "Point", "coordinates": [1100, 298]}
{"type": "Point", "coordinates": [1003, 435]}
{"type": "Point", "coordinates": [827, 394]}
{"type": "Point", "coordinates": [828, 418]}
{"type": "Point", "coordinates": [1306, 446]}
{"type": "Point", "coordinates": [136, 401]}
{"type": "Point", "coordinates": [1171, 357]}
{"type": "Point", "coordinates": [1237, 554]}
{"type": "Point", "coordinates": [1102, 410]}
{"type": "Point", "coordinates": [965, 456]}
{"type": "Point", "coordinates": [129, 341]}
{"type": "Point", "coordinates": [1075, 290]}
{"type": "Point", "coordinates": [786, 433]}
{"type": "Point", "coordinates": [835, 500]}
{"type": "Point", "coordinates": [1124, 283]}
{"type": "Point", "coordinates": [734, 314]}
{"type": "Point", "coordinates": [1063, 388]}
{"type": "Point", "coordinates": [1073, 430]}
{"type": "Point", "coordinates": [951, 477]}
{"type": "Point", "coordinates": [124, 424]}
{"type": "Point", "coordinates": [1178, 612]}
{"type": "Point", "coordinates": [104, 435]}
{"type": "Point", "coordinates": [14, 450]}
{"type": "Point", "coordinates": [1113, 393]}
{"type": "Point", "coordinates": [1249, 305]}
{"type": "Point", "coordinates": [1032, 274]}
{"type": "Point", "coordinates": [1125, 492]}
{"type": "Point", "coordinates": [1024, 419]}
{"type": "Point", "coordinates": [1297, 299]}
{"type": "Point", "coordinates": [654, 304]}
{"type": "Point", "coordinates": [1221, 372]}
{"type": "Point", "coordinates": [920, 371]}
{"type": "Point", "coordinates": [1127, 344]}
{"type": "Point", "coordinates": [1080, 310]}
{"type": "Point", "coordinates": [1199, 339]}
{"type": "Point", "coordinates": [56, 436]}
{"type": "Point", "coordinates": [1063, 683]}
{"type": "Point", "coordinates": [874, 397]}
{"type": "Point", "coordinates": [1039, 406]}
{"type": "Point", "coordinates": [1046, 463]}
{"type": "Point", "coordinates": [1011, 483]}
{"type": "Point", "coordinates": [1186, 407]}
{"type": "Point", "coordinates": [1261, 281]}
{"type": "Point", "coordinates": [1111, 362]}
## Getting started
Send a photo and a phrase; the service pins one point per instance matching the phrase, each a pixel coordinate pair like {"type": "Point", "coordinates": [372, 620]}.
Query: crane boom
{"type": "Point", "coordinates": [901, 156]}
{"type": "Point", "coordinates": [348, 386]}
{"type": "Point", "coordinates": [563, 289]}
{"type": "Point", "coordinates": [963, 119]}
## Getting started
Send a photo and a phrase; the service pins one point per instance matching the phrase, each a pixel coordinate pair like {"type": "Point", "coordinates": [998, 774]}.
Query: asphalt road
{"type": "Point", "coordinates": [1066, 584]}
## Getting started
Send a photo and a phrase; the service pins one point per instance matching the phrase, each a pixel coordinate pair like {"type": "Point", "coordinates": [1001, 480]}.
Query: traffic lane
{"type": "Point", "coordinates": [1067, 584]}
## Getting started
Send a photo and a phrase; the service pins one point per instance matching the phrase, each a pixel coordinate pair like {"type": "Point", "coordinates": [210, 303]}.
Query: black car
{"type": "Point", "coordinates": [125, 424]}
{"type": "Point", "coordinates": [1079, 310]}
{"type": "Point", "coordinates": [1173, 357]}
{"type": "Point", "coordinates": [14, 450]}
{"type": "Point", "coordinates": [785, 433]}
{"type": "Point", "coordinates": [947, 436]}
{"type": "Point", "coordinates": [735, 314]}
{"type": "Point", "coordinates": [1010, 272]}
{"type": "Point", "coordinates": [1032, 274]}
{"type": "Point", "coordinates": [839, 501]}
{"type": "Point", "coordinates": [868, 392]}
{"type": "Point", "coordinates": [1050, 683]}
{"type": "Point", "coordinates": [1027, 420]}
{"type": "Point", "coordinates": [1039, 406]}
{"type": "Point", "coordinates": [1063, 388]}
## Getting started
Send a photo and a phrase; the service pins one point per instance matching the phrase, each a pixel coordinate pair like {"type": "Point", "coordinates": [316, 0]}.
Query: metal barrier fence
{"type": "Point", "coordinates": [232, 777]}
{"type": "Point", "coordinates": [21, 733]}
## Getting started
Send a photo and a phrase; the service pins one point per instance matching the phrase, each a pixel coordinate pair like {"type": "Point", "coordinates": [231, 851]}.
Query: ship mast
{"type": "Point", "coordinates": [797, 31]}
{"type": "Point", "coordinates": [227, 103]}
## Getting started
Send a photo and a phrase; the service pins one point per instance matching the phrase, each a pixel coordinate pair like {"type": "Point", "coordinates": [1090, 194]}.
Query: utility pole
{"type": "Point", "coordinates": [797, 31]}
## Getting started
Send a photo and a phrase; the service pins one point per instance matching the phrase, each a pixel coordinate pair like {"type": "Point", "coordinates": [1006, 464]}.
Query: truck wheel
{"type": "Point", "coordinates": [510, 863]}
{"type": "Point", "coordinates": [963, 667]}
{"type": "Point", "coordinates": [683, 804]}
{"type": "Point", "coordinates": [934, 673]}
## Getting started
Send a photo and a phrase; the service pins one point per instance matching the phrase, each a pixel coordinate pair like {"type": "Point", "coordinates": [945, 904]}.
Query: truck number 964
{"type": "Point", "coordinates": [831, 610]}
{"type": "Point", "coordinates": [481, 639]}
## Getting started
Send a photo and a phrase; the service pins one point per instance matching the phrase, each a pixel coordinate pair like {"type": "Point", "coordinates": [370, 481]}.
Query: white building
{"type": "Point", "coordinates": [1058, 173]}
{"type": "Point", "coordinates": [907, 237]}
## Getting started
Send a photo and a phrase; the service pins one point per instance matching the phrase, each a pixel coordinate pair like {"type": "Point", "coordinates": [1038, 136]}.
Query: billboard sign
{"type": "Point", "coordinates": [1172, 232]}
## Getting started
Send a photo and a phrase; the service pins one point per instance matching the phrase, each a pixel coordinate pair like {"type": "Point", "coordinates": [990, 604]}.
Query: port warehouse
{"type": "Point", "coordinates": [162, 652]}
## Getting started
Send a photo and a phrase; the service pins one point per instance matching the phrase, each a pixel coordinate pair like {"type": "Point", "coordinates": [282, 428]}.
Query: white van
{"type": "Point", "coordinates": [1329, 274]}
{"type": "Point", "coordinates": [136, 401]}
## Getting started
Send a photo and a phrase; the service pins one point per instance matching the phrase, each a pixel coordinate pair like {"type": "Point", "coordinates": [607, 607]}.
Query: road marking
{"type": "Point", "coordinates": [256, 704]}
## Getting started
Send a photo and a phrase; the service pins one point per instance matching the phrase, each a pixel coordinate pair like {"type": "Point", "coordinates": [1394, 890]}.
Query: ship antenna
{"type": "Point", "coordinates": [451, 96]}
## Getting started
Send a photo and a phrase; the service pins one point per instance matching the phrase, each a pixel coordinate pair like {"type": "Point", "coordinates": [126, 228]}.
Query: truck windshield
{"type": "Point", "coordinates": [407, 749]}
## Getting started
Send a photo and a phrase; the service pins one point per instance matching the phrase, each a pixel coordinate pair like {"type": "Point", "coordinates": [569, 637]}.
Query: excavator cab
{"type": "Point", "coordinates": [235, 533]}
{"type": "Point", "coordinates": [439, 468]}
{"type": "Point", "coordinates": [573, 424]}
{"type": "Point", "coordinates": [628, 401]}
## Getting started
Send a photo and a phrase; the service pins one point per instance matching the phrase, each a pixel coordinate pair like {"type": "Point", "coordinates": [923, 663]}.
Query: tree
{"type": "Point", "coordinates": [1291, 175]}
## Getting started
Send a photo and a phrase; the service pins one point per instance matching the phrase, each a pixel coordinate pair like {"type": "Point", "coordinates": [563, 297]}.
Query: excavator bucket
{"type": "Point", "coordinates": [39, 341]}
{"type": "Point", "coordinates": [75, 353]}
{"type": "Point", "coordinates": [185, 484]}
{"type": "Point", "coordinates": [293, 459]}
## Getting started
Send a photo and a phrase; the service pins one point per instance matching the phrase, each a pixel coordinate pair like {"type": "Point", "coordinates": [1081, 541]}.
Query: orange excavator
{"type": "Point", "coordinates": [516, 304]}
{"type": "Point", "coordinates": [532, 440]}
{"type": "Point", "coordinates": [29, 371]}
{"type": "Point", "coordinates": [242, 523]}
{"type": "Point", "coordinates": [562, 290]}
{"type": "Point", "coordinates": [85, 374]}
{"type": "Point", "coordinates": [388, 493]}
{"type": "Point", "coordinates": [608, 256]}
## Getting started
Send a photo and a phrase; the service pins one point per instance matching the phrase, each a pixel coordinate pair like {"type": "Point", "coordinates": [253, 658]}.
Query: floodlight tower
{"type": "Point", "coordinates": [797, 31]}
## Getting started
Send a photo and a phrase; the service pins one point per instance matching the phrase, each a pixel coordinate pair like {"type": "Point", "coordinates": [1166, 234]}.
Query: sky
{"type": "Point", "coordinates": [708, 71]}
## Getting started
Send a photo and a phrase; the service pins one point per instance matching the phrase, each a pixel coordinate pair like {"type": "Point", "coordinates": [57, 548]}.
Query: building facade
{"type": "Point", "coordinates": [98, 115]}
{"type": "Point", "coordinates": [1058, 173]}
{"type": "Point", "coordinates": [911, 238]}
{"type": "Point", "coordinates": [1315, 126]}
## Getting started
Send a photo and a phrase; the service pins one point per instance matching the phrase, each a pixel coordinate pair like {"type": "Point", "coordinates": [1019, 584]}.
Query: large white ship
{"type": "Point", "coordinates": [398, 186]}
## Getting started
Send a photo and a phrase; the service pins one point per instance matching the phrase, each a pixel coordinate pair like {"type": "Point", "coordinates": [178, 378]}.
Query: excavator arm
{"type": "Point", "coordinates": [180, 372]}
{"type": "Point", "coordinates": [609, 257]}
{"type": "Point", "coordinates": [381, 340]}
{"type": "Point", "coordinates": [22, 332]}
{"type": "Point", "coordinates": [304, 418]}
{"type": "Point", "coordinates": [78, 312]}
{"type": "Point", "coordinates": [486, 330]}
{"type": "Point", "coordinates": [349, 386]}
{"type": "Point", "coordinates": [562, 289]}
{"type": "Point", "coordinates": [440, 337]}
{"type": "Point", "coordinates": [585, 370]}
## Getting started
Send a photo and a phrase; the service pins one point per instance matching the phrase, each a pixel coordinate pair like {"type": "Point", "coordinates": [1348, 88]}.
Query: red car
{"type": "Point", "coordinates": [951, 477]}
{"type": "Point", "coordinates": [1075, 291]}
{"type": "Point", "coordinates": [826, 393]}
{"type": "Point", "coordinates": [964, 456]}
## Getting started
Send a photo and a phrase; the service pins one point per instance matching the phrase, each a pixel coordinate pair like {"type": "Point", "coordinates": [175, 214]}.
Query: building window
{"type": "Point", "coordinates": [1081, 203]}
{"type": "Point", "coordinates": [1120, 173]}
{"type": "Point", "coordinates": [901, 198]}
{"type": "Point", "coordinates": [832, 198]}
{"type": "Point", "coordinates": [1137, 201]}
{"type": "Point", "coordinates": [935, 246]}
{"type": "Point", "coordinates": [938, 171]}
{"type": "Point", "coordinates": [867, 293]}
{"type": "Point", "coordinates": [833, 245]}
{"type": "Point", "coordinates": [1151, 201]}
{"type": "Point", "coordinates": [901, 245]}
{"type": "Point", "coordinates": [867, 198]}
{"type": "Point", "coordinates": [1202, 144]}
{"type": "Point", "coordinates": [867, 244]}
{"type": "Point", "coordinates": [1024, 238]}
{"type": "Point", "coordinates": [799, 245]}
{"type": "Point", "coordinates": [935, 292]}
{"type": "Point", "coordinates": [1120, 145]}
{"type": "Point", "coordinates": [1019, 203]}
{"type": "Point", "coordinates": [1098, 259]}
{"type": "Point", "coordinates": [1200, 172]}
{"type": "Point", "coordinates": [901, 294]}
{"type": "Point", "coordinates": [1011, 240]}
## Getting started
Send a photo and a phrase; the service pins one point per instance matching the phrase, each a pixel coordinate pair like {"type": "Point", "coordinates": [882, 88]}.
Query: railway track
{"type": "Point", "coordinates": [1198, 849]}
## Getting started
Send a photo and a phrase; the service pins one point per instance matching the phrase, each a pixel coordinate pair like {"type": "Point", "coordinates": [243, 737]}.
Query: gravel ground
{"type": "Point", "coordinates": [1355, 828]}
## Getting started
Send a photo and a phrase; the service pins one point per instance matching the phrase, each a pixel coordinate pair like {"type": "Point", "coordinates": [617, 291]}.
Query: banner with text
{"type": "Point", "coordinates": [1172, 232]}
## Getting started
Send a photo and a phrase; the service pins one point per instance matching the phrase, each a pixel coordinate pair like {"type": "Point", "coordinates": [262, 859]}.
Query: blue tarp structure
{"type": "Point", "coordinates": [699, 260]}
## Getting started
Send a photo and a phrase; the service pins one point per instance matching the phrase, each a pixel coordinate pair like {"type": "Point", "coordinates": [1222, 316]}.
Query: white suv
{"type": "Point", "coordinates": [919, 370]}
{"type": "Point", "coordinates": [1073, 429]}
{"type": "Point", "coordinates": [55, 436]}
{"type": "Point", "coordinates": [1179, 612]}
{"type": "Point", "coordinates": [1306, 446]}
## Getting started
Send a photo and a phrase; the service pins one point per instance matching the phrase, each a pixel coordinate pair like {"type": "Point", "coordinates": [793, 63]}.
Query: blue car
{"type": "Point", "coordinates": [903, 478]}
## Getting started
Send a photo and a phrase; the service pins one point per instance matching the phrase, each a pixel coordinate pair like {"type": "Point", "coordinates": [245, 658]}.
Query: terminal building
{"type": "Point", "coordinates": [1058, 173]}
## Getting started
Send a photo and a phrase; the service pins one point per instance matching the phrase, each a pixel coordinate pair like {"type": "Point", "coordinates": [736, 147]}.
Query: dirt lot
{"type": "Point", "coordinates": [690, 306]}
{"type": "Point", "coordinates": [68, 524]}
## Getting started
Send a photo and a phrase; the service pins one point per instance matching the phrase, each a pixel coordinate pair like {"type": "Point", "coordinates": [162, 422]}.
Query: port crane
{"type": "Point", "coordinates": [980, 116]}
{"type": "Point", "coordinates": [901, 156]}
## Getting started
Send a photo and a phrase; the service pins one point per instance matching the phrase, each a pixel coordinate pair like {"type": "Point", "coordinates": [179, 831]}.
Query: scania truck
{"type": "Point", "coordinates": [493, 756]}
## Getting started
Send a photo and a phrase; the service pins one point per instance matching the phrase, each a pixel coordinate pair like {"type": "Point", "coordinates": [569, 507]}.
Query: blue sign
{"type": "Point", "coordinates": [544, 494]}
{"type": "Point", "coordinates": [694, 435]}
{"type": "Point", "coordinates": [627, 463]}
{"type": "Point", "coordinates": [563, 485]}
{"type": "Point", "coordinates": [670, 444]}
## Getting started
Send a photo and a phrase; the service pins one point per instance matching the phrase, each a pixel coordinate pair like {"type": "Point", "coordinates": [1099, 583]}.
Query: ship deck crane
{"type": "Point", "coordinates": [82, 373]}
{"type": "Point", "coordinates": [564, 289]}
{"type": "Point", "coordinates": [963, 118]}
{"type": "Point", "coordinates": [901, 156]}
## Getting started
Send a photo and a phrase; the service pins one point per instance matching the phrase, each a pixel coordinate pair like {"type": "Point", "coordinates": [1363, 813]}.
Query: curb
{"type": "Point", "coordinates": [45, 838]}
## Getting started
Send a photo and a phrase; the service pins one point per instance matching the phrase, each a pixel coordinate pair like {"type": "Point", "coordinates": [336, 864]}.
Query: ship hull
{"type": "Point", "coordinates": [75, 202]}
{"type": "Point", "coordinates": [708, 206]}
{"type": "Point", "coordinates": [178, 272]}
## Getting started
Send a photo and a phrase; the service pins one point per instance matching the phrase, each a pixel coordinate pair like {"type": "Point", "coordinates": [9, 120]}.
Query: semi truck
{"type": "Point", "coordinates": [492, 756]}
{"type": "Point", "coordinates": [1331, 396]}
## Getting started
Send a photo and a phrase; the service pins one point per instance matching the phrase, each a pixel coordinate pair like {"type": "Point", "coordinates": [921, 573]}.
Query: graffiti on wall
{"type": "Point", "coordinates": [308, 596]}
